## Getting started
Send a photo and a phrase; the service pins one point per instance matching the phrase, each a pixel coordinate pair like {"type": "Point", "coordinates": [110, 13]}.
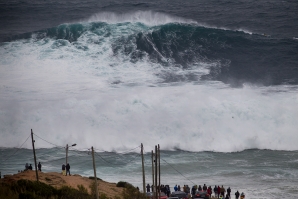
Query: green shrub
{"type": "Point", "coordinates": [66, 192]}
{"type": "Point", "coordinates": [103, 196]}
{"type": "Point", "coordinates": [48, 179]}
{"type": "Point", "coordinates": [92, 178]}
{"type": "Point", "coordinates": [121, 184]}
{"type": "Point", "coordinates": [24, 189]}
{"type": "Point", "coordinates": [82, 189]}
{"type": "Point", "coordinates": [7, 193]}
{"type": "Point", "coordinates": [132, 192]}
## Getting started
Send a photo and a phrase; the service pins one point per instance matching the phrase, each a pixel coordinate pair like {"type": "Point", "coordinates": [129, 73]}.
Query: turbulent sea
{"type": "Point", "coordinates": [214, 83]}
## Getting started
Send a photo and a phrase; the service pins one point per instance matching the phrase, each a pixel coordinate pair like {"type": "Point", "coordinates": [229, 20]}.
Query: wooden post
{"type": "Point", "coordinates": [66, 150]}
{"type": "Point", "coordinates": [159, 171]}
{"type": "Point", "coordinates": [143, 169]}
{"type": "Point", "coordinates": [94, 168]}
{"type": "Point", "coordinates": [152, 157]}
{"type": "Point", "coordinates": [156, 173]}
{"type": "Point", "coordinates": [34, 155]}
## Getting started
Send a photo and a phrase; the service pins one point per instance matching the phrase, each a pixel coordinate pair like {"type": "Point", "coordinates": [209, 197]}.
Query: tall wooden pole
{"type": "Point", "coordinates": [96, 187]}
{"type": "Point", "coordinates": [143, 169]}
{"type": "Point", "coordinates": [34, 155]}
{"type": "Point", "coordinates": [152, 157]}
{"type": "Point", "coordinates": [157, 190]}
{"type": "Point", "coordinates": [159, 170]}
{"type": "Point", "coordinates": [66, 150]}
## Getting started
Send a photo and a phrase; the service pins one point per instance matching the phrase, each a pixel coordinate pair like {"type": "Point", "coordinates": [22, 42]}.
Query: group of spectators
{"type": "Point", "coordinates": [163, 188]}
{"type": "Point", "coordinates": [29, 167]}
{"type": "Point", "coordinates": [65, 169]}
{"type": "Point", "coordinates": [219, 192]}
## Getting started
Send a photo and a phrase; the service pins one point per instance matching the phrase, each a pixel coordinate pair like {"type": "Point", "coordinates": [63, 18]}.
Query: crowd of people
{"type": "Point", "coordinates": [29, 167]}
{"type": "Point", "coordinates": [217, 191]}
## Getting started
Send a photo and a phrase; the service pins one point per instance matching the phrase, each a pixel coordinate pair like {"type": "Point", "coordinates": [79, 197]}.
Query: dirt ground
{"type": "Point", "coordinates": [58, 180]}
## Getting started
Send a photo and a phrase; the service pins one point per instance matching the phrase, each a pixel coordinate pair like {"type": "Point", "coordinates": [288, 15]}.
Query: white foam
{"type": "Point", "coordinates": [149, 18]}
{"type": "Point", "coordinates": [66, 95]}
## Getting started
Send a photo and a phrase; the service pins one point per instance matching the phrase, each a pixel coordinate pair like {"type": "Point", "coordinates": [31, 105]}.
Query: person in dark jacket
{"type": "Point", "coordinates": [67, 169]}
{"type": "Point", "coordinates": [63, 169]}
{"type": "Point", "coordinates": [193, 190]}
{"type": "Point", "coordinates": [199, 188]}
{"type": "Point", "coordinates": [218, 191]}
{"type": "Point", "coordinates": [39, 166]}
{"type": "Point", "coordinates": [229, 191]}
{"type": "Point", "coordinates": [215, 190]}
{"type": "Point", "coordinates": [30, 167]}
{"type": "Point", "coordinates": [237, 194]}
{"type": "Point", "coordinates": [148, 188]}
{"type": "Point", "coordinates": [204, 187]}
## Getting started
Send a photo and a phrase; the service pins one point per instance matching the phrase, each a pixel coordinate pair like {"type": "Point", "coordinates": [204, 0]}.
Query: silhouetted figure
{"type": "Point", "coordinates": [39, 166]}
{"type": "Point", "coordinates": [63, 169]}
{"type": "Point", "coordinates": [30, 167]}
{"type": "Point", "coordinates": [193, 190]}
{"type": "Point", "coordinates": [229, 191]}
{"type": "Point", "coordinates": [67, 169]}
{"type": "Point", "coordinates": [237, 194]}
{"type": "Point", "coordinates": [209, 191]}
{"type": "Point", "coordinates": [199, 188]}
{"type": "Point", "coordinates": [26, 167]}
{"type": "Point", "coordinates": [222, 191]}
{"type": "Point", "coordinates": [148, 188]}
{"type": "Point", "coordinates": [215, 190]}
{"type": "Point", "coordinates": [205, 187]}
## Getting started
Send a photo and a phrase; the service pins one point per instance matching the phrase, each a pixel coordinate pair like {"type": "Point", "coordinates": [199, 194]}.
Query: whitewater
{"type": "Point", "coordinates": [114, 81]}
{"type": "Point", "coordinates": [97, 91]}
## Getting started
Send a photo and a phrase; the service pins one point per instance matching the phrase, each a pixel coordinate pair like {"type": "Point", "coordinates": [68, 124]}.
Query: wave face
{"type": "Point", "coordinates": [232, 56]}
{"type": "Point", "coordinates": [143, 80]}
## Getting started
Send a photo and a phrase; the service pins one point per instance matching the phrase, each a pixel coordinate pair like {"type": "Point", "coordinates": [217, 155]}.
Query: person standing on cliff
{"type": "Point", "coordinates": [68, 169]}
{"type": "Point", "coordinates": [63, 169]}
{"type": "Point", "coordinates": [39, 166]}
{"type": "Point", "coordinates": [148, 188]}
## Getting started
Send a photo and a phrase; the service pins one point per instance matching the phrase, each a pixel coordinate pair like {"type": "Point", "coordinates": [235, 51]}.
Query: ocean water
{"type": "Point", "coordinates": [214, 83]}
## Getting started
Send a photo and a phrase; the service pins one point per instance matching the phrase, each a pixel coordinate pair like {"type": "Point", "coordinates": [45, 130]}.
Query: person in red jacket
{"type": "Point", "coordinates": [218, 191]}
{"type": "Point", "coordinates": [209, 191]}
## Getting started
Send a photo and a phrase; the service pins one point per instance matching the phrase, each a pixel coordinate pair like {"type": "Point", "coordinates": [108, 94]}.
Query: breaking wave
{"type": "Point", "coordinates": [114, 81]}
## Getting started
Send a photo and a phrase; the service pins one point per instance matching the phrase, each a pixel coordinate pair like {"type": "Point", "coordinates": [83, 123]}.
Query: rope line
{"type": "Point", "coordinates": [104, 160]}
{"type": "Point", "coordinates": [48, 141]}
{"type": "Point", "coordinates": [125, 152]}
{"type": "Point", "coordinates": [130, 150]}
{"type": "Point", "coordinates": [178, 172]}
{"type": "Point", "coordinates": [116, 164]}
{"type": "Point", "coordinates": [16, 150]}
